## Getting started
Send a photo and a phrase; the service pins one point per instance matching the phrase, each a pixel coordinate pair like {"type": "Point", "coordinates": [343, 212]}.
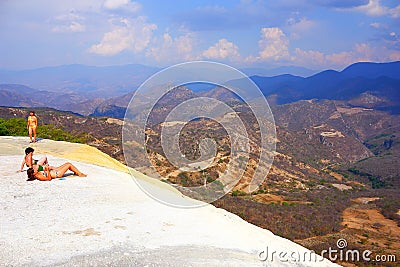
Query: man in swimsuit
{"type": "Point", "coordinates": [32, 125]}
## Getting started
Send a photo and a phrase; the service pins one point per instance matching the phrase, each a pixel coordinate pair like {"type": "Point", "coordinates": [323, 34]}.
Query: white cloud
{"type": "Point", "coordinates": [72, 26]}
{"type": "Point", "coordinates": [344, 58]}
{"type": "Point", "coordinates": [317, 59]}
{"type": "Point", "coordinates": [133, 35]}
{"type": "Point", "coordinates": [373, 8]}
{"type": "Point", "coordinates": [274, 47]}
{"type": "Point", "coordinates": [273, 44]}
{"type": "Point", "coordinates": [360, 52]}
{"type": "Point", "coordinates": [68, 22]}
{"type": "Point", "coordinates": [395, 12]}
{"type": "Point", "coordinates": [376, 9]}
{"type": "Point", "coordinates": [300, 26]}
{"type": "Point", "coordinates": [72, 15]}
{"type": "Point", "coordinates": [394, 55]}
{"type": "Point", "coordinates": [223, 49]}
{"type": "Point", "coordinates": [377, 25]}
{"type": "Point", "coordinates": [308, 58]}
{"type": "Point", "coordinates": [168, 49]}
{"type": "Point", "coordinates": [184, 45]}
{"type": "Point", "coordinates": [122, 5]}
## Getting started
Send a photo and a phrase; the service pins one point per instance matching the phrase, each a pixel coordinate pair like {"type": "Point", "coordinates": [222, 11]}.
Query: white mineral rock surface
{"type": "Point", "coordinates": [106, 220]}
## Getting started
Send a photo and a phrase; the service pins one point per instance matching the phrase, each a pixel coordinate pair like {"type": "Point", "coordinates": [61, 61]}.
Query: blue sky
{"type": "Point", "coordinates": [318, 34]}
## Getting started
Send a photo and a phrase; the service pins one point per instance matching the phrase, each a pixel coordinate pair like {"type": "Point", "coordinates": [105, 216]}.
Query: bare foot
{"type": "Point", "coordinates": [82, 175]}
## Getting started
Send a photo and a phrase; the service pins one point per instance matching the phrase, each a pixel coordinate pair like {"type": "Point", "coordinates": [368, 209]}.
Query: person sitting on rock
{"type": "Point", "coordinates": [33, 163]}
{"type": "Point", "coordinates": [56, 172]}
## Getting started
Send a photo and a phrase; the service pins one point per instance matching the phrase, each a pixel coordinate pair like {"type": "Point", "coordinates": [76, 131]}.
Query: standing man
{"type": "Point", "coordinates": [32, 125]}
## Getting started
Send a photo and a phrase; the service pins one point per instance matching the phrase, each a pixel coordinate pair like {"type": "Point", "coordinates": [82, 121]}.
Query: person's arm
{"type": "Point", "coordinates": [22, 165]}
{"type": "Point", "coordinates": [41, 177]}
{"type": "Point", "coordinates": [27, 124]}
{"type": "Point", "coordinates": [51, 167]}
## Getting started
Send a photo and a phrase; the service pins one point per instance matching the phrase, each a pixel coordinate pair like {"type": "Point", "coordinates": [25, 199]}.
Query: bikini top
{"type": "Point", "coordinates": [31, 120]}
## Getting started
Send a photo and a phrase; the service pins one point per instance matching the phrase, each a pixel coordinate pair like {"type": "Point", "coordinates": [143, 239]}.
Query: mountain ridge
{"type": "Point", "coordinates": [380, 80]}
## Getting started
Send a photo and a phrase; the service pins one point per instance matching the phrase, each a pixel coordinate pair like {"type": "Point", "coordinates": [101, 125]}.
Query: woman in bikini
{"type": "Point", "coordinates": [47, 174]}
{"type": "Point", "coordinates": [33, 163]}
{"type": "Point", "coordinates": [32, 125]}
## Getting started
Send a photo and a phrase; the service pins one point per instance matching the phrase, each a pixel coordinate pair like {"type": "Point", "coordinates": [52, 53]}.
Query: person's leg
{"type": "Point", "coordinates": [34, 134]}
{"type": "Point", "coordinates": [62, 169]}
{"type": "Point", "coordinates": [43, 161]}
{"type": "Point", "coordinates": [68, 166]}
{"type": "Point", "coordinates": [30, 133]}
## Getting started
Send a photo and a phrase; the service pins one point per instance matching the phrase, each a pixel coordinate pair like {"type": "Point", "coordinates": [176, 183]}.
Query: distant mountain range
{"type": "Point", "coordinates": [16, 95]}
{"type": "Point", "coordinates": [293, 70]}
{"type": "Point", "coordinates": [88, 81]}
{"type": "Point", "coordinates": [107, 90]}
{"type": "Point", "coordinates": [108, 81]}
{"type": "Point", "coordinates": [375, 85]}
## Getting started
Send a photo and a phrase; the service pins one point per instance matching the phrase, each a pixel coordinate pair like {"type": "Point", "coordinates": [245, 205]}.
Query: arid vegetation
{"type": "Point", "coordinates": [324, 166]}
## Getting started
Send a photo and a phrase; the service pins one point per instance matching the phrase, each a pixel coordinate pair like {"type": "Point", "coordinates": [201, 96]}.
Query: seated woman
{"type": "Point", "coordinates": [56, 172]}
{"type": "Point", "coordinates": [33, 163]}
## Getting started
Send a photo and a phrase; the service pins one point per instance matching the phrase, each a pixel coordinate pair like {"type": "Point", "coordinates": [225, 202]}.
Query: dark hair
{"type": "Point", "coordinates": [30, 172]}
{"type": "Point", "coordinates": [29, 150]}
{"type": "Point", "coordinates": [32, 112]}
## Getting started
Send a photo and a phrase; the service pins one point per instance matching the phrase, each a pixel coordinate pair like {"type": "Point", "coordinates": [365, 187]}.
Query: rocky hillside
{"type": "Point", "coordinates": [330, 154]}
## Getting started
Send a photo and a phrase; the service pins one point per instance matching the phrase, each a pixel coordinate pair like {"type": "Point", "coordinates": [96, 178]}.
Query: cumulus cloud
{"type": "Point", "coordinates": [375, 8]}
{"type": "Point", "coordinates": [69, 22]}
{"type": "Point", "coordinates": [168, 49]}
{"type": "Point", "coordinates": [125, 5]}
{"type": "Point", "coordinates": [223, 49]}
{"type": "Point", "coordinates": [309, 57]}
{"type": "Point", "coordinates": [273, 44]}
{"type": "Point", "coordinates": [360, 52]}
{"type": "Point", "coordinates": [133, 35]}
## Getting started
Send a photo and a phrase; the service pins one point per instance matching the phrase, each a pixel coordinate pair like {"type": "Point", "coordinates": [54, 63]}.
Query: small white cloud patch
{"type": "Point", "coordinates": [223, 49]}
{"type": "Point", "coordinates": [69, 22]}
{"type": "Point", "coordinates": [122, 5]}
{"type": "Point", "coordinates": [132, 35]}
{"type": "Point", "coordinates": [273, 44]}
